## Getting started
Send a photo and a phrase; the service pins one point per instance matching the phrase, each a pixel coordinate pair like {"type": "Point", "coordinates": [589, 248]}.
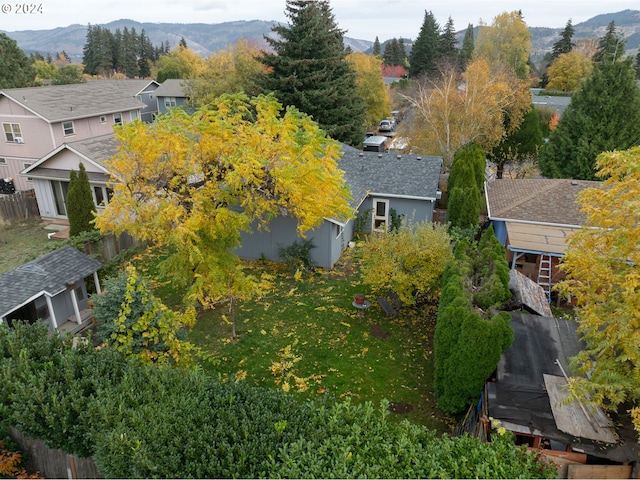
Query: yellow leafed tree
{"type": "Point", "coordinates": [193, 183]}
{"type": "Point", "coordinates": [567, 71]}
{"type": "Point", "coordinates": [455, 110]}
{"type": "Point", "coordinates": [602, 265]}
{"type": "Point", "coordinates": [370, 86]}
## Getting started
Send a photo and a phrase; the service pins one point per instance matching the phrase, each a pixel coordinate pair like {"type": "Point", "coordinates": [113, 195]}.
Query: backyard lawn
{"type": "Point", "coordinates": [21, 243]}
{"type": "Point", "coordinates": [306, 337]}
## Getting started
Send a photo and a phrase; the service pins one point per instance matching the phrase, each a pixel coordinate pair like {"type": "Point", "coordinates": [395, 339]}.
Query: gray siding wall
{"type": "Point", "coordinates": [282, 233]}
{"type": "Point", "coordinates": [414, 210]}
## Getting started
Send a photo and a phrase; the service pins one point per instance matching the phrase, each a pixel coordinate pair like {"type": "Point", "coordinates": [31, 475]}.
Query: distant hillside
{"type": "Point", "coordinates": [207, 38]}
{"type": "Point", "coordinates": [203, 38]}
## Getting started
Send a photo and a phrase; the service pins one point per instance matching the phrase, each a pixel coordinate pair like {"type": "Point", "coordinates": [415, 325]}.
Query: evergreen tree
{"type": "Point", "coordinates": [604, 115]}
{"type": "Point", "coordinates": [127, 53]}
{"type": "Point", "coordinates": [16, 69]}
{"type": "Point", "coordinates": [466, 52]}
{"type": "Point", "coordinates": [98, 51]}
{"type": "Point", "coordinates": [183, 42]}
{"type": "Point", "coordinates": [80, 206]}
{"type": "Point", "coordinates": [448, 42]}
{"type": "Point", "coordinates": [564, 43]}
{"type": "Point", "coordinates": [637, 65]}
{"type": "Point", "coordinates": [145, 55]}
{"type": "Point", "coordinates": [69, 74]}
{"type": "Point", "coordinates": [376, 47]}
{"type": "Point", "coordinates": [395, 53]}
{"type": "Point", "coordinates": [425, 48]}
{"type": "Point", "coordinates": [610, 46]}
{"type": "Point", "coordinates": [308, 70]}
{"type": "Point", "coordinates": [521, 144]}
{"type": "Point", "coordinates": [465, 186]}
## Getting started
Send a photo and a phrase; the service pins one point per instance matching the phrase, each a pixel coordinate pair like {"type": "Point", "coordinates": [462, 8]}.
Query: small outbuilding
{"type": "Point", "coordinates": [51, 289]}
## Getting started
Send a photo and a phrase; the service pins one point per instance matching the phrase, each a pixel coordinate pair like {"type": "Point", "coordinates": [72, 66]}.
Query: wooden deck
{"type": "Point", "coordinates": [71, 326]}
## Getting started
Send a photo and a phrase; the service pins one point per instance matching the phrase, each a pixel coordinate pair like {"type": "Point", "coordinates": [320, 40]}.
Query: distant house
{"type": "Point", "coordinates": [50, 175]}
{"type": "Point", "coordinates": [532, 219]}
{"type": "Point", "coordinates": [170, 94]}
{"type": "Point", "coordinates": [50, 289]}
{"type": "Point", "coordinates": [382, 185]}
{"type": "Point", "coordinates": [37, 120]}
{"type": "Point", "coordinates": [529, 398]}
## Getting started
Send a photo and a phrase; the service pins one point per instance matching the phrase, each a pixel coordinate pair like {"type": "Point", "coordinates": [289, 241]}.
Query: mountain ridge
{"type": "Point", "coordinates": [206, 38]}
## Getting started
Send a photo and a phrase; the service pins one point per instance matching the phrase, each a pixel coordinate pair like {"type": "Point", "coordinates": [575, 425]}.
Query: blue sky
{"type": "Point", "coordinates": [363, 19]}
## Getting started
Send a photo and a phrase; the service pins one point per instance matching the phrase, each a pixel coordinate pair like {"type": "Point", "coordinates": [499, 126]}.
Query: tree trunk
{"type": "Point", "coordinates": [232, 314]}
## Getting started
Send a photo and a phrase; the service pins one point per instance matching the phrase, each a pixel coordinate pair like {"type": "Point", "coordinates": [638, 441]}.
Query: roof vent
{"type": "Point", "coordinates": [361, 154]}
{"type": "Point", "coordinates": [379, 155]}
{"type": "Point", "coordinates": [71, 109]}
{"type": "Point", "coordinates": [418, 158]}
{"type": "Point", "coordinates": [398, 157]}
{"type": "Point", "coordinates": [574, 182]}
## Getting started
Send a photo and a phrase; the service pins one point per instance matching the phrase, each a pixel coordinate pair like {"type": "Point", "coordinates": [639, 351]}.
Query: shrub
{"type": "Point", "coordinates": [298, 254]}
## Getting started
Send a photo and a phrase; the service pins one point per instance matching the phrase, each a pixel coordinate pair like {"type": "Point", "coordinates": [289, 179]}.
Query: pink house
{"type": "Point", "coordinates": [37, 120]}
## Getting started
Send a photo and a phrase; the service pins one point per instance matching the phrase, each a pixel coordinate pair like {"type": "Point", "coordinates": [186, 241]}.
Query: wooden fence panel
{"type": "Point", "coordinates": [599, 471]}
{"type": "Point", "coordinates": [53, 463]}
{"type": "Point", "coordinates": [19, 206]}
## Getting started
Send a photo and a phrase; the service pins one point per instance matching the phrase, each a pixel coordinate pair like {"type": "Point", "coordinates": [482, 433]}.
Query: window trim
{"type": "Point", "coordinates": [118, 115]}
{"type": "Point", "coordinates": [384, 220]}
{"type": "Point", "coordinates": [170, 102]}
{"type": "Point", "coordinates": [12, 133]}
{"type": "Point", "coordinates": [26, 165]}
{"type": "Point", "coordinates": [3, 161]}
{"type": "Point", "coordinates": [64, 129]}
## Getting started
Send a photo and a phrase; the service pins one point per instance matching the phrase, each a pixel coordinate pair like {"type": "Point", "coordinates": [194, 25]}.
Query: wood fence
{"type": "Point", "coordinates": [109, 246]}
{"type": "Point", "coordinates": [19, 206]}
{"type": "Point", "coordinates": [53, 463]}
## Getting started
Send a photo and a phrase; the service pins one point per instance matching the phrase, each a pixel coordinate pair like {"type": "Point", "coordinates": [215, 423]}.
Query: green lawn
{"type": "Point", "coordinates": [306, 337]}
{"type": "Point", "coordinates": [21, 243]}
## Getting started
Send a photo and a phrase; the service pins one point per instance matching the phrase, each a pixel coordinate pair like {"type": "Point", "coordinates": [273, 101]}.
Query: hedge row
{"type": "Point", "coordinates": [469, 337]}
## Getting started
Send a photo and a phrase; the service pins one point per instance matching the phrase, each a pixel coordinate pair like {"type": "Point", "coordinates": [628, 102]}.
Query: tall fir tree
{"type": "Point", "coordinates": [395, 53]}
{"type": "Point", "coordinates": [376, 47]}
{"type": "Point", "coordinates": [425, 49]}
{"type": "Point", "coordinates": [611, 46]}
{"type": "Point", "coordinates": [604, 115]}
{"type": "Point", "coordinates": [308, 69]}
{"type": "Point", "coordinates": [448, 50]}
{"type": "Point", "coordinates": [565, 42]}
{"type": "Point", "coordinates": [80, 206]}
{"type": "Point", "coordinates": [468, 45]}
{"type": "Point", "coordinates": [16, 69]}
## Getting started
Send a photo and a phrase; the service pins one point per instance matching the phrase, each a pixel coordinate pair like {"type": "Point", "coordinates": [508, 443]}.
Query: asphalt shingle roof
{"type": "Point", "coordinates": [542, 200]}
{"type": "Point", "coordinates": [171, 88]}
{"type": "Point", "coordinates": [414, 176]}
{"type": "Point", "coordinates": [58, 103]}
{"type": "Point", "coordinates": [50, 274]}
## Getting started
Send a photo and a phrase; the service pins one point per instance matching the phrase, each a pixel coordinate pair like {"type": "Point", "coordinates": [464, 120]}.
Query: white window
{"type": "Point", "coordinates": [134, 115]}
{"type": "Point", "coordinates": [102, 195]}
{"type": "Point", "coordinates": [68, 129]}
{"type": "Point", "coordinates": [12, 132]}
{"type": "Point", "coordinates": [3, 162]}
{"type": "Point", "coordinates": [117, 118]}
{"type": "Point", "coordinates": [339, 230]}
{"type": "Point", "coordinates": [380, 220]}
{"type": "Point", "coordinates": [24, 167]}
{"type": "Point", "coordinates": [169, 102]}
{"type": "Point", "coordinates": [103, 119]}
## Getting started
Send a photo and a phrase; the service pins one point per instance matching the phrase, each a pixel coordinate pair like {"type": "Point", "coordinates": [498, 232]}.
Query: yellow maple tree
{"type": "Point", "coordinates": [602, 276]}
{"type": "Point", "coordinates": [370, 86]}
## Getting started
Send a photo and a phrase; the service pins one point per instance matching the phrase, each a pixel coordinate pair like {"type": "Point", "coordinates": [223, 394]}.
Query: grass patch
{"type": "Point", "coordinates": [22, 242]}
{"type": "Point", "coordinates": [306, 337]}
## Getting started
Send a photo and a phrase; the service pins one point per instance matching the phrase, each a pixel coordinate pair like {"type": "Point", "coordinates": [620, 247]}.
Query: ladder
{"type": "Point", "coordinates": [544, 275]}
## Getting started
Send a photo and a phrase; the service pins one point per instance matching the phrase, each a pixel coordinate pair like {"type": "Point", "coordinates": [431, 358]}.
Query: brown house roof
{"type": "Point", "coordinates": [537, 200]}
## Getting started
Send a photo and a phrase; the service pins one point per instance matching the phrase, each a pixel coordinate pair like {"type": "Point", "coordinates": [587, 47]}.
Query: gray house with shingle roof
{"type": "Point", "coordinates": [50, 175]}
{"type": "Point", "coordinates": [52, 289]}
{"type": "Point", "coordinates": [381, 184]}
{"type": "Point", "coordinates": [532, 219]}
{"type": "Point", "coordinates": [171, 94]}
{"type": "Point", "coordinates": [37, 120]}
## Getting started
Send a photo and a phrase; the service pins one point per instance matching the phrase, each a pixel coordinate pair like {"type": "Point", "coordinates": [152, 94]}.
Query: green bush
{"type": "Point", "coordinates": [298, 254]}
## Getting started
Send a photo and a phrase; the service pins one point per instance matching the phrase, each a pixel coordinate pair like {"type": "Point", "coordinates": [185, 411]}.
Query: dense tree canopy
{"type": "Point", "coordinates": [395, 53]}
{"type": "Point", "coordinates": [604, 115]}
{"type": "Point", "coordinates": [425, 49]}
{"type": "Point", "coordinates": [232, 70]}
{"type": "Point", "coordinates": [458, 109]}
{"type": "Point", "coordinates": [568, 71]}
{"type": "Point", "coordinates": [308, 70]}
{"type": "Point", "coordinates": [179, 63]}
{"type": "Point", "coordinates": [16, 69]}
{"type": "Point", "coordinates": [370, 86]}
{"type": "Point", "coordinates": [602, 264]}
{"type": "Point", "coordinates": [193, 183]}
{"type": "Point", "coordinates": [565, 43]}
{"type": "Point", "coordinates": [506, 42]}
